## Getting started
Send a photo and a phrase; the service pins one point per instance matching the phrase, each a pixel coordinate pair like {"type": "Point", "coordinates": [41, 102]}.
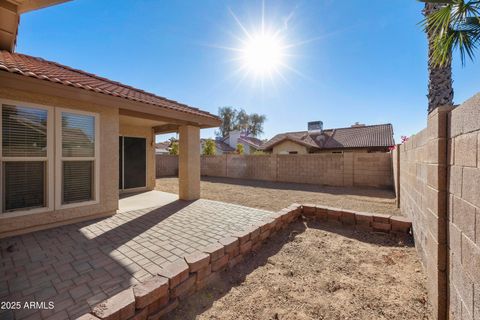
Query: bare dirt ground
{"type": "Point", "coordinates": [277, 195]}
{"type": "Point", "coordinates": [317, 271]}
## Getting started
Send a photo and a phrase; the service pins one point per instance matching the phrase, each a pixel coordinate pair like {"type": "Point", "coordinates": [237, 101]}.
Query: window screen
{"type": "Point", "coordinates": [77, 181]}
{"type": "Point", "coordinates": [24, 132]}
{"type": "Point", "coordinates": [23, 157]}
{"type": "Point", "coordinates": [78, 157]}
{"type": "Point", "coordinates": [24, 185]}
{"type": "Point", "coordinates": [78, 135]}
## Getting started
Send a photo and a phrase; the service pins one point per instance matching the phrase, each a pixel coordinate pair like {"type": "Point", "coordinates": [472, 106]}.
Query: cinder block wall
{"type": "Point", "coordinates": [324, 169]}
{"type": "Point", "coordinates": [166, 166]}
{"type": "Point", "coordinates": [438, 175]}
{"type": "Point", "coordinates": [214, 166]}
{"type": "Point", "coordinates": [348, 169]}
{"type": "Point", "coordinates": [464, 210]}
{"type": "Point", "coordinates": [373, 169]}
{"type": "Point", "coordinates": [422, 198]}
{"type": "Point", "coordinates": [251, 167]}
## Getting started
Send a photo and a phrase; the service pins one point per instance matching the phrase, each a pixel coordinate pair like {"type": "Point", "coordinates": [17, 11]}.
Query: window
{"type": "Point", "coordinates": [25, 158]}
{"type": "Point", "coordinates": [77, 154]}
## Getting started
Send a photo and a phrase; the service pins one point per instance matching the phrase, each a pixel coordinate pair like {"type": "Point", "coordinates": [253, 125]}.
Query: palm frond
{"type": "Point", "coordinates": [456, 25]}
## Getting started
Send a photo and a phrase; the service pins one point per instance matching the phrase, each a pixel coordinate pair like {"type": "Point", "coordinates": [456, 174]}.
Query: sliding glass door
{"type": "Point", "coordinates": [132, 163]}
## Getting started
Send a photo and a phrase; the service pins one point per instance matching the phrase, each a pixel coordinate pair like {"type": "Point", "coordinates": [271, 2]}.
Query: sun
{"type": "Point", "coordinates": [262, 54]}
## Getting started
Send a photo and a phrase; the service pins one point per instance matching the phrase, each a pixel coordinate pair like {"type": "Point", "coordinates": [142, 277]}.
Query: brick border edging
{"type": "Point", "coordinates": [161, 294]}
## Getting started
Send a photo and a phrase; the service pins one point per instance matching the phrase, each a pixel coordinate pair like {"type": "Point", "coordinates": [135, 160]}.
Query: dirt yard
{"type": "Point", "coordinates": [276, 195]}
{"type": "Point", "coordinates": [313, 271]}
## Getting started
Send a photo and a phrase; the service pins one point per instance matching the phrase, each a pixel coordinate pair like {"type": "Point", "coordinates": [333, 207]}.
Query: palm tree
{"type": "Point", "coordinates": [449, 24]}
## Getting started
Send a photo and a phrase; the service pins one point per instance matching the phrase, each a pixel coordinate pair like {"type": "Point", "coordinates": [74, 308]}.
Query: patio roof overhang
{"type": "Point", "coordinates": [168, 120]}
{"type": "Point", "coordinates": [10, 11]}
{"type": "Point", "coordinates": [30, 5]}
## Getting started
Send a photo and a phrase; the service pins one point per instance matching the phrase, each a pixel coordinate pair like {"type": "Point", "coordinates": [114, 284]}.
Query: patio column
{"type": "Point", "coordinates": [189, 162]}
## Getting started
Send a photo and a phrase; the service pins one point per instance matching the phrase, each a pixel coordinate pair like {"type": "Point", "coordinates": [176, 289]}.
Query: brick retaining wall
{"type": "Point", "coordinates": [332, 169]}
{"type": "Point", "coordinates": [161, 294]}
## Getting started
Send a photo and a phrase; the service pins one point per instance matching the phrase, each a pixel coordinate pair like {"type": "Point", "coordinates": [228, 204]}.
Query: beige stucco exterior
{"type": "Point", "coordinates": [116, 117]}
{"type": "Point", "coordinates": [288, 146]}
{"type": "Point", "coordinates": [13, 223]}
{"type": "Point", "coordinates": [189, 163]}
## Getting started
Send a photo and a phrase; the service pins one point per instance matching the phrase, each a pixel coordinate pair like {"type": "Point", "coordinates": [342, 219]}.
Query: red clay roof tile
{"type": "Point", "coordinates": [46, 70]}
{"type": "Point", "coordinates": [380, 135]}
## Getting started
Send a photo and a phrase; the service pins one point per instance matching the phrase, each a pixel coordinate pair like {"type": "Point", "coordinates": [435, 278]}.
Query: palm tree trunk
{"type": "Point", "coordinates": [440, 84]}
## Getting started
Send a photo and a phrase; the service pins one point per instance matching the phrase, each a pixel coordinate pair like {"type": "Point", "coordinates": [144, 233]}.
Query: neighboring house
{"type": "Point", "coordinates": [71, 140]}
{"type": "Point", "coordinates": [250, 144]}
{"type": "Point", "coordinates": [220, 147]}
{"type": "Point", "coordinates": [356, 138]}
{"type": "Point", "coordinates": [162, 148]}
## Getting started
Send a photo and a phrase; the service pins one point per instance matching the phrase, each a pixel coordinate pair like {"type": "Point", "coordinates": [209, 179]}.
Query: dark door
{"type": "Point", "coordinates": [120, 167]}
{"type": "Point", "coordinates": [133, 161]}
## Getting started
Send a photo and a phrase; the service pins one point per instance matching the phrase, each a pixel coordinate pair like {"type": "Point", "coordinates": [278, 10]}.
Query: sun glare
{"type": "Point", "coordinates": [262, 54]}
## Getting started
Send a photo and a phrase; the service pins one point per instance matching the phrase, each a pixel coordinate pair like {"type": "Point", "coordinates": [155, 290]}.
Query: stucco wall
{"type": "Point", "coordinates": [143, 132]}
{"type": "Point", "coordinates": [289, 146]}
{"type": "Point", "coordinates": [108, 199]}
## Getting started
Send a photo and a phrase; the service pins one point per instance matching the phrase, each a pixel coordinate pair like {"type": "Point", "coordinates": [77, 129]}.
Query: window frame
{"type": "Point", "coordinates": [49, 159]}
{"type": "Point", "coordinates": [59, 159]}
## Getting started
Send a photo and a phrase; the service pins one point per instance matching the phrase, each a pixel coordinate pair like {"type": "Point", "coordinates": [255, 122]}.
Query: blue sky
{"type": "Point", "coordinates": [352, 61]}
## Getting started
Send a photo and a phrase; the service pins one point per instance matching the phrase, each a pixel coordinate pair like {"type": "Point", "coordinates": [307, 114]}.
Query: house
{"type": "Point", "coordinates": [162, 148]}
{"type": "Point", "coordinates": [71, 141]}
{"type": "Point", "coordinates": [250, 144]}
{"type": "Point", "coordinates": [220, 147]}
{"type": "Point", "coordinates": [356, 138]}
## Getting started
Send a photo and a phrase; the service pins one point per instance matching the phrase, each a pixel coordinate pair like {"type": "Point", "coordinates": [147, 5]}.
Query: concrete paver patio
{"type": "Point", "coordinates": [79, 265]}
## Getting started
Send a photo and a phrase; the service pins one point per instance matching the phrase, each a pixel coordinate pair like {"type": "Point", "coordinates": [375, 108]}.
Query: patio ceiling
{"type": "Point", "coordinates": [10, 11]}
{"type": "Point", "coordinates": [30, 5]}
{"type": "Point", "coordinates": [159, 127]}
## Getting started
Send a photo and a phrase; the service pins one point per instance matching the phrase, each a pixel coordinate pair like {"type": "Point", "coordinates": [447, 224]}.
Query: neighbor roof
{"type": "Point", "coordinates": [163, 145]}
{"type": "Point", "coordinates": [220, 145]}
{"type": "Point", "coordinates": [380, 135]}
{"type": "Point", "coordinates": [254, 142]}
{"type": "Point", "coordinates": [54, 72]}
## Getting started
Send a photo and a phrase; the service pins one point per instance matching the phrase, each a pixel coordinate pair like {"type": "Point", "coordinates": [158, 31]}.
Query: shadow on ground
{"type": "Point", "coordinates": [226, 281]}
{"type": "Point", "coordinates": [354, 191]}
{"type": "Point", "coordinates": [70, 268]}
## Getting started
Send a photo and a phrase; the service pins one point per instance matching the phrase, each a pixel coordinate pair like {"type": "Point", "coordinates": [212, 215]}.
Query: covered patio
{"type": "Point", "coordinates": [84, 140]}
{"type": "Point", "coordinates": [81, 264]}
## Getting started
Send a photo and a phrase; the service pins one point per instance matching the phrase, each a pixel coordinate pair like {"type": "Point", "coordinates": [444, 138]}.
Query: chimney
{"type": "Point", "coordinates": [357, 124]}
{"type": "Point", "coordinates": [315, 127]}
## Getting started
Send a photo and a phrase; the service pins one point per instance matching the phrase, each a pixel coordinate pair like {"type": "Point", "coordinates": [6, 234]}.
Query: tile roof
{"type": "Point", "coordinates": [163, 145]}
{"type": "Point", "coordinates": [54, 72]}
{"type": "Point", "coordinates": [380, 135]}
{"type": "Point", "coordinates": [254, 142]}
{"type": "Point", "coordinates": [219, 144]}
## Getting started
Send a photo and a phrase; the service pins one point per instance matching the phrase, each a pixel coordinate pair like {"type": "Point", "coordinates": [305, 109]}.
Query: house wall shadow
{"type": "Point", "coordinates": [224, 281]}
{"type": "Point", "coordinates": [71, 269]}
{"type": "Point", "coordinates": [354, 191]}
{"type": "Point", "coordinates": [222, 284]}
{"type": "Point", "coordinates": [61, 263]}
